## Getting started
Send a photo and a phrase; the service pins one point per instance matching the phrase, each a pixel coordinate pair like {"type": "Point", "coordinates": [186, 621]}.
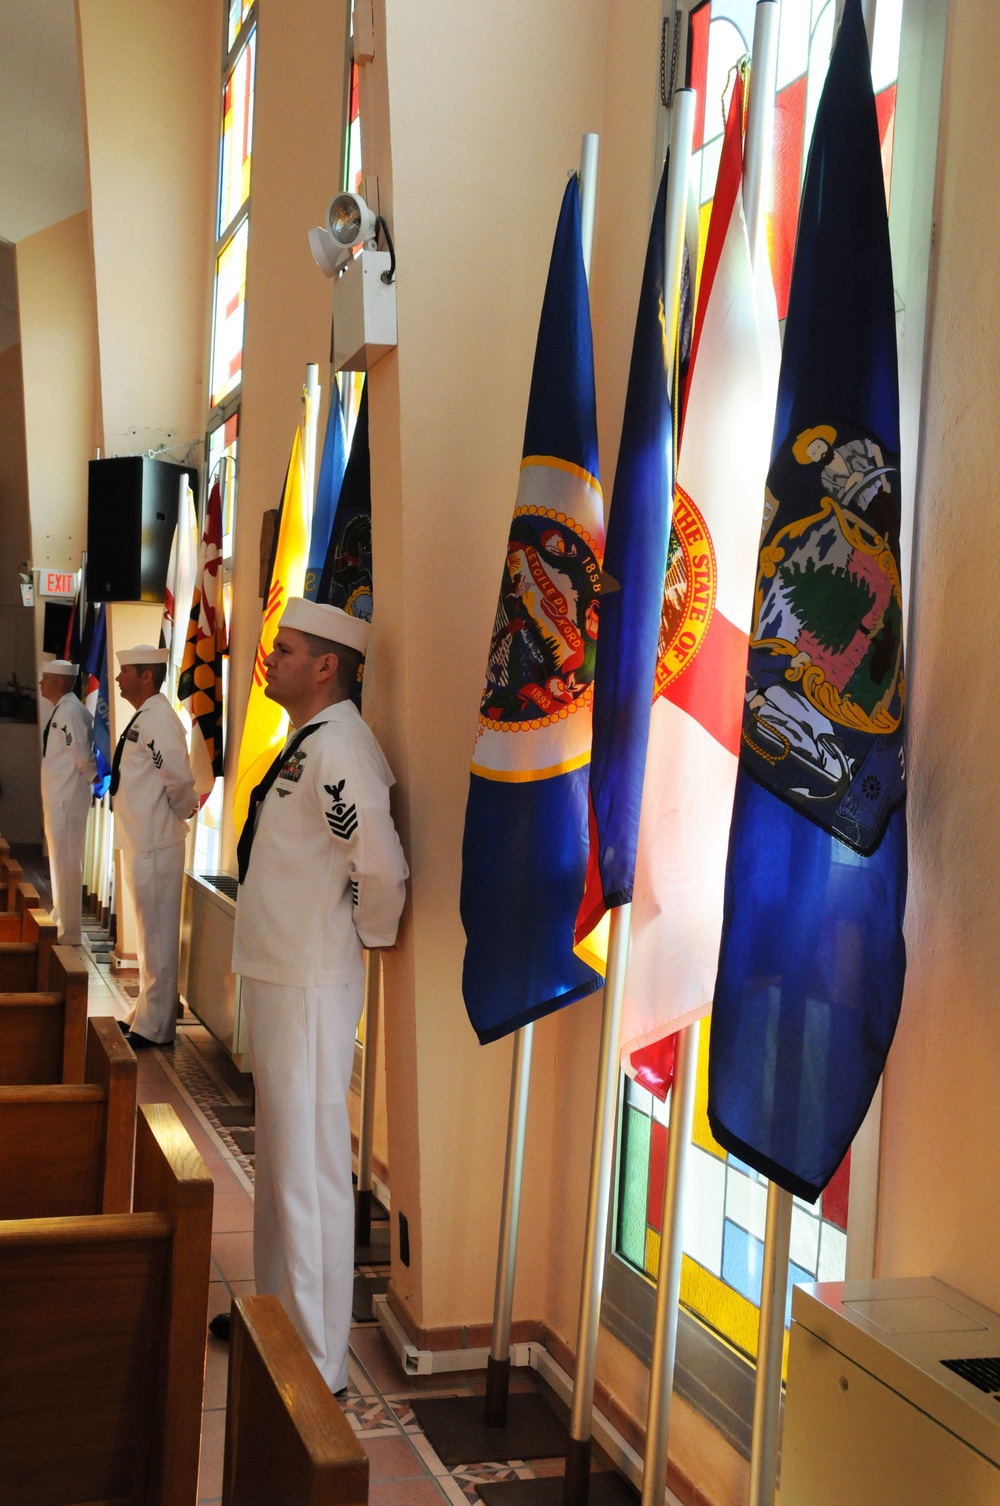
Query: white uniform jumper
{"type": "Point", "coordinates": [68, 774]}
{"type": "Point", "coordinates": [326, 876]}
{"type": "Point", "coordinates": [155, 797]}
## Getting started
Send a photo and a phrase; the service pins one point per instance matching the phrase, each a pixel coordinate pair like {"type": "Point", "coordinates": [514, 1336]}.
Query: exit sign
{"type": "Point", "coordinates": [57, 583]}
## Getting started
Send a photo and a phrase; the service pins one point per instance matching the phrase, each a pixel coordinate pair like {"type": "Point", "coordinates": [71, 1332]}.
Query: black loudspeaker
{"type": "Point", "coordinates": [131, 517]}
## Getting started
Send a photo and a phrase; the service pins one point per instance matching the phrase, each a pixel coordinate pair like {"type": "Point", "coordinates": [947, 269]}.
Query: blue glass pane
{"type": "Point", "coordinates": [742, 1261]}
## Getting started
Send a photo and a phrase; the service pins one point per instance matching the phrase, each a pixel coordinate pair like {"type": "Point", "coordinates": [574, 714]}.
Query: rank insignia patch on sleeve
{"type": "Point", "coordinates": [341, 817]}
{"type": "Point", "coordinates": [155, 753]}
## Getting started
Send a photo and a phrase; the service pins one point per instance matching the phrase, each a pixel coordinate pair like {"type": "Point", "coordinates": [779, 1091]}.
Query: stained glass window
{"type": "Point", "coordinates": [721, 32]}
{"type": "Point", "coordinates": [230, 292]}
{"type": "Point", "coordinates": [223, 448]}
{"type": "Point", "coordinates": [238, 10]}
{"type": "Point", "coordinates": [724, 1213]}
{"type": "Point", "coordinates": [352, 155]}
{"type": "Point", "coordinates": [235, 157]}
{"type": "Point", "coordinates": [237, 132]}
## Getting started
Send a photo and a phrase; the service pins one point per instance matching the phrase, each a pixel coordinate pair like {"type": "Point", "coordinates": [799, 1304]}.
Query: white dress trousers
{"type": "Point", "coordinates": [155, 797]}
{"type": "Point", "coordinates": [302, 1050]}
{"type": "Point", "coordinates": [68, 772]}
{"type": "Point", "coordinates": [155, 880]}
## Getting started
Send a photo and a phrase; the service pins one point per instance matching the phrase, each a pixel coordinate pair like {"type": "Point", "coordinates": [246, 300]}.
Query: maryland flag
{"type": "Point", "coordinates": [266, 723]}
{"type": "Point", "coordinates": [199, 686]}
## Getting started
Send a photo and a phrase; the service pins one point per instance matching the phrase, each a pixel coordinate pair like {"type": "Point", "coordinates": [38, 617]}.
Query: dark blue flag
{"type": "Point", "coordinates": [347, 572]}
{"type": "Point", "coordinates": [635, 565]}
{"type": "Point", "coordinates": [95, 695]}
{"type": "Point", "coordinates": [812, 959]}
{"type": "Point", "coordinates": [524, 856]}
{"type": "Point", "coordinates": [331, 476]}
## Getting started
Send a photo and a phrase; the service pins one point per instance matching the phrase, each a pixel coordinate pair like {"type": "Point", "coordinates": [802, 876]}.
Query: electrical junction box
{"type": "Point", "coordinates": [364, 313]}
{"type": "Point", "coordinates": [893, 1397]}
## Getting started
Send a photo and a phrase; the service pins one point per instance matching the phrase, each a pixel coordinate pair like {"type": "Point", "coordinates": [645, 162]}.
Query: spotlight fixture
{"type": "Point", "coordinates": [349, 224]}
{"type": "Point", "coordinates": [350, 221]}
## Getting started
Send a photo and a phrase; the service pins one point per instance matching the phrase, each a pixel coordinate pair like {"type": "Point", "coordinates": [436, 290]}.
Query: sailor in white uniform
{"type": "Point", "coordinates": [152, 796]}
{"type": "Point", "coordinates": [68, 774]}
{"type": "Point", "coordinates": [326, 878]}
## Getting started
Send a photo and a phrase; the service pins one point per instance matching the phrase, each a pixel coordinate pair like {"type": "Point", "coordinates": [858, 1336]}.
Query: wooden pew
{"type": "Point", "coordinates": [287, 1439]}
{"type": "Point", "coordinates": [66, 1148]}
{"type": "Point", "coordinates": [102, 1339]}
{"type": "Point", "coordinates": [11, 878]}
{"type": "Point", "coordinates": [24, 964]}
{"type": "Point", "coordinates": [12, 922]}
{"type": "Point", "coordinates": [43, 1034]}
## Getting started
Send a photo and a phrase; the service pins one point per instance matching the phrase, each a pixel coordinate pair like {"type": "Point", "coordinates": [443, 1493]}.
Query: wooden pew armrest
{"type": "Point", "coordinates": [286, 1436]}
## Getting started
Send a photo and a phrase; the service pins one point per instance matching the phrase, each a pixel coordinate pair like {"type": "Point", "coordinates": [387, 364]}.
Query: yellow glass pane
{"type": "Point", "coordinates": [651, 1264]}
{"type": "Point", "coordinates": [701, 1134]}
{"type": "Point", "coordinates": [230, 291]}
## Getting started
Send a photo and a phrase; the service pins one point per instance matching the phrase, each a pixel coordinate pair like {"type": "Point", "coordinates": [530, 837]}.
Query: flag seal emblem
{"type": "Point", "coordinates": [689, 592]}
{"type": "Point", "coordinates": [543, 649]}
{"type": "Point", "coordinates": [825, 684]}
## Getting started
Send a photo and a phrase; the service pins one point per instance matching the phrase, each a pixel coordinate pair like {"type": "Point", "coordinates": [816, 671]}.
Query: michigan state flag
{"type": "Point", "coordinates": [812, 959]}
{"type": "Point", "coordinates": [524, 856]}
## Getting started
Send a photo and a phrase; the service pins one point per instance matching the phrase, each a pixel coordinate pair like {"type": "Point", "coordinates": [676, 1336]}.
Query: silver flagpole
{"type": "Point", "coordinates": [366, 1133]}
{"type": "Point", "coordinates": [771, 1331]}
{"type": "Point", "coordinates": [759, 146]}
{"type": "Point", "coordinates": [770, 1347]}
{"type": "Point", "coordinates": [668, 1281]}
{"type": "Point", "coordinates": [576, 1483]}
{"type": "Point", "coordinates": [498, 1364]}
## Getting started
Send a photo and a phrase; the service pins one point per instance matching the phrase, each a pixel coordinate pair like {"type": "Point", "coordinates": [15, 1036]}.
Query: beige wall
{"type": "Point", "coordinates": [151, 93]}
{"type": "Point", "coordinates": [298, 113]}
{"type": "Point", "coordinates": [56, 299]}
{"type": "Point", "coordinates": [940, 1177]}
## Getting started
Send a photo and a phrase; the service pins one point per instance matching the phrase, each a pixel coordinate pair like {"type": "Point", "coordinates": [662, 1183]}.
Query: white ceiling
{"type": "Point", "coordinates": [42, 177]}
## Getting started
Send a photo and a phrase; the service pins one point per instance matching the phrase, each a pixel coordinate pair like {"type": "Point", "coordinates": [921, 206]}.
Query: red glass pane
{"type": "Point", "coordinates": [700, 21]}
{"type": "Point", "coordinates": [789, 128]}
{"type": "Point", "coordinates": [836, 1194]}
{"type": "Point", "coordinates": [885, 109]}
{"type": "Point", "coordinates": [231, 429]}
{"type": "Point", "coordinates": [657, 1174]}
{"type": "Point", "coordinates": [352, 117]}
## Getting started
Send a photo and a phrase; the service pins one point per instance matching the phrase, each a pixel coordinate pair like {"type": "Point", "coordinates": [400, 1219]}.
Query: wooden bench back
{"type": "Point", "coordinates": [66, 1149]}
{"type": "Point", "coordinates": [25, 964]}
{"type": "Point", "coordinates": [43, 1035]}
{"type": "Point", "coordinates": [12, 922]}
{"type": "Point", "coordinates": [102, 1339]}
{"type": "Point", "coordinates": [287, 1439]}
{"type": "Point", "coordinates": [11, 877]}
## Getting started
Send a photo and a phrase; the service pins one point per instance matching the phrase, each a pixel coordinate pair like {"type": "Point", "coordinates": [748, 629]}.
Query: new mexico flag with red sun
{"type": "Point", "coordinates": [266, 723]}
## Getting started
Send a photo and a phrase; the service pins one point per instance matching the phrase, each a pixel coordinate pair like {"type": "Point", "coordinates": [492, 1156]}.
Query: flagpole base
{"type": "Point", "coordinates": [455, 1428]}
{"type": "Point", "coordinates": [363, 1217]}
{"type": "Point", "coordinates": [576, 1481]}
{"type": "Point", "coordinates": [497, 1389]}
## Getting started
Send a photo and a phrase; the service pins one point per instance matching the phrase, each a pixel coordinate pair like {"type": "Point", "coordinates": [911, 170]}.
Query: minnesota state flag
{"type": "Point", "coordinates": [812, 960]}
{"type": "Point", "coordinates": [199, 687]}
{"type": "Point", "coordinates": [524, 856]}
{"type": "Point", "coordinates": [266, 723]}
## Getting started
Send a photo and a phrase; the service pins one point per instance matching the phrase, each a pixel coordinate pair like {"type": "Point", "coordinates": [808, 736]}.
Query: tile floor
{"type": "Point", "coordinates": [405, 1470]}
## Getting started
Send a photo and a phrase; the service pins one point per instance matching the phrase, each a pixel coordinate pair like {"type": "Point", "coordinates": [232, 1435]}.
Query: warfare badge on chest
{"type": "Point", "coordinates": [822, 726]}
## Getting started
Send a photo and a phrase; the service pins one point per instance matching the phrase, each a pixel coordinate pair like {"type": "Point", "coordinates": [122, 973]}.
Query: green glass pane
{"type": "Point", "coordinates": [634, 1188]}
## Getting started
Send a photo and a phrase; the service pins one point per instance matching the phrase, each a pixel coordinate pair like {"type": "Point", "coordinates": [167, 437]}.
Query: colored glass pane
{"type": "Point", "coordinates": [721, 31]}
{"type": "Point", "coordinates": [223, 448]}
{"type": "Point", "coordinates": [724, 1212]}
{"type": "Point", "coordinates": [237, 135]}
{"type": "Point", "coordinates": [352, 170]}
{"type": "Point", "coordinates": [227, 333]}
{"type": "Point", "coordinates": [238, 12]}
